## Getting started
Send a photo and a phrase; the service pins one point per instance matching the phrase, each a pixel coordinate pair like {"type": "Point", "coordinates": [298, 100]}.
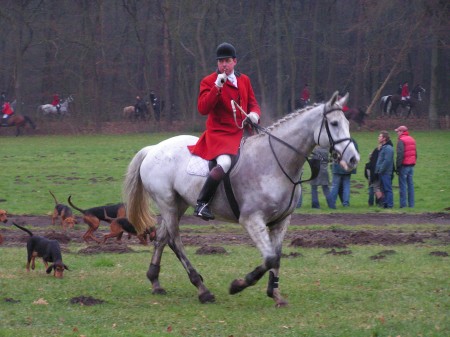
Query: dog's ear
{"type": "Point", "coordinates": [66, 268]}
{"type": "Point", "coordinates": [49, 269]}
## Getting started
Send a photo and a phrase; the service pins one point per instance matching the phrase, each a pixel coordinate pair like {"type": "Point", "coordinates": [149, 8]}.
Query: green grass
{"type": "Point", "coordinates": [405, 294]}
{"type": "Point", "coordinates": [91, 169]}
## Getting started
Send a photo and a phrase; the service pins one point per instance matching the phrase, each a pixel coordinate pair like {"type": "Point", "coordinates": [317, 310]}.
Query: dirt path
{"type": "Point", "coordinates": [215, 232]}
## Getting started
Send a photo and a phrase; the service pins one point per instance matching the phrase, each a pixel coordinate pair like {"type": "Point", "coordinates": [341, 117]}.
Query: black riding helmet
{"type": "Point", "coordinates": [225, 50]}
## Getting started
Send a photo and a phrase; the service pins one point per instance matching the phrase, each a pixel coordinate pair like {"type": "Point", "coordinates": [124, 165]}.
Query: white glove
{"type": "Point", "coordinates": [221, 79]}
{"type": "Point", "coordinates": [254, 117]}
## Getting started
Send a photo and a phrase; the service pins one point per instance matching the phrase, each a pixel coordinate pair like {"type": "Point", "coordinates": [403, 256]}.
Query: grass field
{"type": "Point", "coordinates": [91, 169]}
{"type": "Point", "coordinates": [406, 294]}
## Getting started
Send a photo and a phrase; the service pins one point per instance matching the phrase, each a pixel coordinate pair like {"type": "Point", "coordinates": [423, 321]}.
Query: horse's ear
{"type": "Point", "coordinates": [333, 98]}
{"type": "Point", "coordinates": [343, 101]}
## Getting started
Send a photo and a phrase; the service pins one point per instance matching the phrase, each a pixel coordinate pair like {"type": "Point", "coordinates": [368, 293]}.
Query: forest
{"type": "Point", "coordinates": [106, 52]}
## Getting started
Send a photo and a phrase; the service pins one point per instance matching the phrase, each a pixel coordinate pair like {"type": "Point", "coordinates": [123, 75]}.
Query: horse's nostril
{"type": "Point", "coordinates": [353, 160]}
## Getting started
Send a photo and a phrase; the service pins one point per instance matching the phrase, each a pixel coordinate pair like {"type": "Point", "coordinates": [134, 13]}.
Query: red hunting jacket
{"type": "Point", "coordinates": [222, 135]}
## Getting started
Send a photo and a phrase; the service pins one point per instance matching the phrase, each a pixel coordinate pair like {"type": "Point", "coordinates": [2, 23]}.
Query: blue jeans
{"type": "Point", "coordinates": [405, 182]}
{"type": "Point", "coordinates": [339, 180]}
{"type": "Point", "coordinates": [315, 195]}
{"type": "Point", "coordinates": [386, 184]}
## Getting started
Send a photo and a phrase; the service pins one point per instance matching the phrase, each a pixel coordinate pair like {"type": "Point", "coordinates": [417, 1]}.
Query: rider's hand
{"type": "Point", "coordinates": [221, 79]}
{"type": "Point", "coordinates": [254, 117]}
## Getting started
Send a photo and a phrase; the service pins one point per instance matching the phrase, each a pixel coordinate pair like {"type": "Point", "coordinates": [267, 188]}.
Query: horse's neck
{"type": "Point", "coordinates": [297, 130]}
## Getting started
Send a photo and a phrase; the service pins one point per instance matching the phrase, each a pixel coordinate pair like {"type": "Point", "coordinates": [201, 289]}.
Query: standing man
{"type": "Point", "coordinates": [323, 178]}
{"type": "Point", "coordinates": [156, 105]}
{"type": "Point", "coordinates": [223, 133]}
{"type": "Point", "coordinates": [406, 159]}
{"type": "Point", "coordinates": [385, 167]}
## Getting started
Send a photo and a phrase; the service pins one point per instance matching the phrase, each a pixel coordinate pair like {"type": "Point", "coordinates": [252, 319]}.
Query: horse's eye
{"type": "Point", "coordinates": [334, 123]}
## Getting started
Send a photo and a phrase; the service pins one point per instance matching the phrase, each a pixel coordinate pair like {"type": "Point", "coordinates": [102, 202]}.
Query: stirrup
{"type": "Point", "coordinates": [202, 211]}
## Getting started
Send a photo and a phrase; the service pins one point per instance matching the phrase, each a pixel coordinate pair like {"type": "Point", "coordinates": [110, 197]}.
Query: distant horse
{"type": "Point", "coordinates": [266, 188]}
{"type": "Point", "coordinates": [390, 103]}
{"type": "Point", "coordinates": [357, 115]}
{"type": "Point", "coordinates": [19, 121]}
{"type": "Point", "coordinates": [49, 109]}
{"type": "Point", "coordinates": [130, 113]}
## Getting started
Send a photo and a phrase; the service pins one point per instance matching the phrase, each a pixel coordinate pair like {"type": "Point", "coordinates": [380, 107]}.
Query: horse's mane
{"type": "Point", "coordinates": [286, 118]}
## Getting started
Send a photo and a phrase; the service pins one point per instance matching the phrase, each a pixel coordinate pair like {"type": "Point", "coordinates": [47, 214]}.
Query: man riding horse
{"type": "Point", "coordinates": [56, 103]}
{"type": "Point", "coordinates": [7, 113]}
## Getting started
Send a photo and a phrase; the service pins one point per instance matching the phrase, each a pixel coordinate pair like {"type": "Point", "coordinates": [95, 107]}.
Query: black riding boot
{"type": "Point", "coordinates": [207, 193]}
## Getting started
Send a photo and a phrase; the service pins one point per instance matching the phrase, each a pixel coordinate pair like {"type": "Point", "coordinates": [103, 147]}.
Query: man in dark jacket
{"type": "Point", "coordinates": [406, 160]}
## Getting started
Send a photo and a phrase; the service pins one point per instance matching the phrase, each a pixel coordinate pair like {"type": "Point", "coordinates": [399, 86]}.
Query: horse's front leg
{"type": "Point", "coordinates": [277, 233]}
{"type": "Point", "coordinates": [257, 230]}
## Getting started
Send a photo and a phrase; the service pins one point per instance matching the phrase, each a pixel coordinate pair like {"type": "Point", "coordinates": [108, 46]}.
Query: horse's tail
{"type": "Point", "coordinates": [136, 197]}
{"type": "Point", "coordinates": [30, 121]}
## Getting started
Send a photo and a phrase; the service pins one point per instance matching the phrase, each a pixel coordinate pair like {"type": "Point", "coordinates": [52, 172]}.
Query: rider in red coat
{"type": "Point", "coordinates": [405, 91]}
{"type": "Point", "coordinates": [7, 112]}
{"type": "Point", "coordinates": [223, 132]}
{"type": "Point", "coordinates": [56, 102]}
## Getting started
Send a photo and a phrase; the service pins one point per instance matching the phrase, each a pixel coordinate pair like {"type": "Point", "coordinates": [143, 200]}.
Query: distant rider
{"type": "Point", "coordinates": [56, 103]}
{"type": "Point", "coordinates": [7, 113]}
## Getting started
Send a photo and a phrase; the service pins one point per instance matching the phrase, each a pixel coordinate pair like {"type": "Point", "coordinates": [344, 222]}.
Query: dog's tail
{"type": "Point", "coordinates": [54, 198]}
{"type": "Point", "coordinates": [23, 228]}
{"type": "Point", "coordinates": [78, 209]}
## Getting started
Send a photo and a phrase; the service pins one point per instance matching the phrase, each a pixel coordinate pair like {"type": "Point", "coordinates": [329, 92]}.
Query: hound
{"type": "Point", "coordinates": [93, 216]}
{"type": "Point", "coordinates": [120, 225]}
{"type": "Point", "coordinates": [64, 212]}
{"type": "Point", "coordinates": [4, 219]}
{"type": "Point", "coordinates": [49, 250]}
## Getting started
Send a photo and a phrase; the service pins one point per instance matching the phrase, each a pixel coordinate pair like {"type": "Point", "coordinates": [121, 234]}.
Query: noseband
{"type": "Point", "coordinates": [333, 151]}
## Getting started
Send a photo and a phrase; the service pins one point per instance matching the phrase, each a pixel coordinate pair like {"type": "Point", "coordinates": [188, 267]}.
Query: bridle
{"type": "Point", "coordinates": [334, 153]}
{"type": "Point", "coordinates": [313, 163]}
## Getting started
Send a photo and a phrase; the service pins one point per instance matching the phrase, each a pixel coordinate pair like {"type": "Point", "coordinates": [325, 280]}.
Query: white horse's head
{"type": "Point", "coordinates": [335, 132]}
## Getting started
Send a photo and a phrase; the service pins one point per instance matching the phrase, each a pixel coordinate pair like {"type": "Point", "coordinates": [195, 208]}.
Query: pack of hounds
{"type": "Point", "coordinates": [50, 251]}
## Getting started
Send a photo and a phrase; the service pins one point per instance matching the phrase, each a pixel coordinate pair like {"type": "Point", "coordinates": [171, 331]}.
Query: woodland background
{"type": "Point", "coordinates": [105, 52]}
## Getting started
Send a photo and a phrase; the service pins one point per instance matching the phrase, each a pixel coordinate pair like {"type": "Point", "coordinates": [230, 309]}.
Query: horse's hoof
{"type": "Point", "coordinates": [281, 304]}
{"type": "Point", "coordinates": [207, 298]}
{"type": "Point", "coordinates": [159, 291]}
{"type": "Point", "coordinates": [237, 286]}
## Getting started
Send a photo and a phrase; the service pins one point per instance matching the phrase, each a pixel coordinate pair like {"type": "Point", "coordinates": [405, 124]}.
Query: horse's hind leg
{"type": "Point", "coordinates": [170, 235]}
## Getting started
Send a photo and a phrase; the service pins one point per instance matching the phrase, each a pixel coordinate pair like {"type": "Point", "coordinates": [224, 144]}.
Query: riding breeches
{"type": "Point", "coordinates": [224, 160]}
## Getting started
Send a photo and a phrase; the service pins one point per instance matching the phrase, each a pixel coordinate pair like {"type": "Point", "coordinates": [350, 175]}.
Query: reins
{"type": "Point", "coordinates": [314, 164]}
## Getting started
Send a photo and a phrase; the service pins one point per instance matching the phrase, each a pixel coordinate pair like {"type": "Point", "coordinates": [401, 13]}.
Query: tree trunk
{"type": "Point", "coordinates": [434, 88]}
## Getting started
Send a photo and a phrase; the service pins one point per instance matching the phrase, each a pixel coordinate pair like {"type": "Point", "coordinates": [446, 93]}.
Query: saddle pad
{"type": "Point", "coordinates": [198, 166]}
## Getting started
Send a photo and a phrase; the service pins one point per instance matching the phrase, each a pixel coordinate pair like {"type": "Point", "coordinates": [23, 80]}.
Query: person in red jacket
{"type": "Point", "coordinates": [305, 95]}
{"type": "Point", "coordinates": [224, 131]}
{"type": "Point", "coordinates": [7, 112]}
{"type": "Point", "coordinates": [406, 160]}
{"type": "Point", "coordinates": [56, 102]}
{"type": "Point", "coordinates": [405, 91]}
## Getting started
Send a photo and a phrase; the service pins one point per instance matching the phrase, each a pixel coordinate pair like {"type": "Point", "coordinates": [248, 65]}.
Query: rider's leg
{"type": "Point", "coordinates": [5, 120]}
{"type": "Point", "coordinates": [209, 188]}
